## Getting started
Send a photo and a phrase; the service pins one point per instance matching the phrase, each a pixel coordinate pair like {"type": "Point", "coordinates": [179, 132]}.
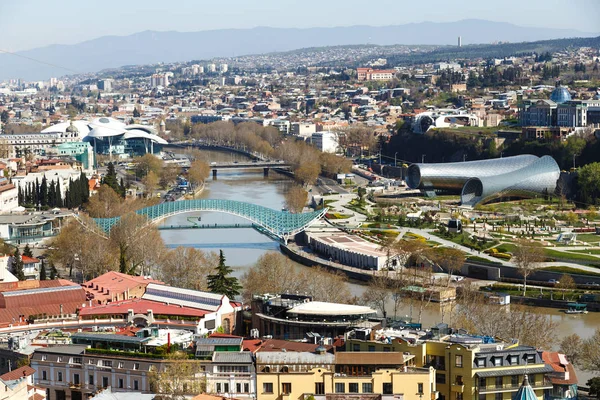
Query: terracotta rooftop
{"type": "Point", "coordinates": [141, 306]}
{"type": "Point", "coordinates": [18, 373]}
{"type": "Point", "coordinates": [29, 260]}
{"type": "Point", "coordinates": [370, 358]}
{"type": "Point", "coordinates": [114, 282]}
{"type": "Point", "coordinates": [564, 372]}
{"type": "Point", "coordinates": [279, 345]}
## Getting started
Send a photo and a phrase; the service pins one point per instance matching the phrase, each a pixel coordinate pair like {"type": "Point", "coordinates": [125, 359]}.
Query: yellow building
{"type": "Point", "coordinates": [299, 375]}
{"type": "Point", "coordinates": [468, 367]}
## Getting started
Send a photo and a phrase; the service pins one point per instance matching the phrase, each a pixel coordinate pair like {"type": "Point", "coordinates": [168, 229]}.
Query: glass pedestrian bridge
{"type": "Point", "coordinates": [282, 224]}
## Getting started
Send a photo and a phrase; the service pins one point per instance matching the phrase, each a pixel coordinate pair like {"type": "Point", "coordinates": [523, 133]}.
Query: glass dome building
{"type": "Point", "coordinates": [560, 94]}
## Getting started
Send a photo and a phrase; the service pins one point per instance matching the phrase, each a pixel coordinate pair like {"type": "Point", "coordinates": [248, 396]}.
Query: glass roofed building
{"type": "Point", "coordinates": [111, 137]}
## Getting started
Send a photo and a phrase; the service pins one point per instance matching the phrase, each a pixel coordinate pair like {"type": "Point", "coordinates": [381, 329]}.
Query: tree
{"type": "Point", "coordinates": [27, 251]}
{"type": "Point", "coordinates": [186, 267]}
{"type": "Point", "coordinates": [180, 377]}
{"type": "Point", "coordinates": [105, 204]}
{"type": "Point", "coordinates": [198, 172]}
{"type": "Point", "coordinates": [571, 347]}
{"type": "Point", "coordinates": [53, 272]}
{"type": "Point", "coordinates": [147, 163]}
{"type": "Point", "coordinates": [307, 173]}
{"type": "Point", "coordinates": [527, 256]}
{"type": "Point", "coordinates": [150, 182]}
{"type": "Point", "coordinates": [221, 282]}
{"type": "Point", "coordinates": [565, 284]}
{"type": "Point", "coordinates": [378, 292]}
{"type": "Point", "coordinates": [588, 183]}
{"type": "Point", "coordinates": [136, 113]}
{"type": "Point", "coordinates": [451, 259]}
{"type": "Point", "coordinates": [295, 199]}
{"type": "Point", "coordinates": [594, 383]}
{"type": "Point", "coordinates": [111, 180]}
{"type": "Point", "coordinates": [43, 275]}
{"type": "Point", "coordinates": [169, 175]}
{"type": "Point", "coordinates": [17, 265]}
{"type": "Point", "coordinates": [590, 352]}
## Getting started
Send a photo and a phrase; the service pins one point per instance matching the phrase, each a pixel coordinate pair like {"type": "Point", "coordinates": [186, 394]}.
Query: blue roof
{"type": "Point", "coordinates": [525, 392]}
{"type": "Point", "coordinates": [560, 95]}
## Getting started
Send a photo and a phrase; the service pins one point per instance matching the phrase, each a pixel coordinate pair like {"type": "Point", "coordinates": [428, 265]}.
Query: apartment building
{"type": "Point", "coordinates": [370, 74]}
{"type": "Point", "coordinates": [74, 373]}
{"type": "Point", "coordinates": [291, 375]}
{"type": "Point", "coordinates": [467, 367]}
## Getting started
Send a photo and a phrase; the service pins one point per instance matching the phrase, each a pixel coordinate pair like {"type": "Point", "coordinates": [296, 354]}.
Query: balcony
{"type": "Point", "coordinates": [458, 387]}
{"type": "Point", "coordinates": [509, 387]}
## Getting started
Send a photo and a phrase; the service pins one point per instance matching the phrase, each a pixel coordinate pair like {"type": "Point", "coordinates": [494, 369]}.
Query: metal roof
{"type": "Point", "coordinates": [518, 371]}
{"type": "Point", "coordinates": [219, 341]}
{"type": "Point", "coordinates": [109, 337]}
{"type": "Point", "coordinates": [229, 357]}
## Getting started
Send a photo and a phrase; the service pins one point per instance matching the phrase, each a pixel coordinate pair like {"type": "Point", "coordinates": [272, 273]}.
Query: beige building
{"type": "Point", "coordinates": [289, 375]}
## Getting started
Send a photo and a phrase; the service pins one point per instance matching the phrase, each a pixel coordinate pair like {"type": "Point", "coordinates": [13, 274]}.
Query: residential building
{"type": "Point", "coordinates": [370, 74]}
{"type": "Point", "coordinates": [114, 286]}
{"type": "Point", "coordinates": [31, 267]}
{"type": "Point", "coordinates": [563, 378]}
{"type": "Point", "coordinates": [20, 144]}
{"type": "Point", "coordinates": [558, 133]}
{"type": "Point", "coordinates": [9, 196]}
{"type": "Point", "coordinates": [326, 141]}
{"type": "Point", "coordinates": [324, 375]}
{"type": "Point", "coordinates": [30, 227]}
{"type": "Point", "coordinates": [467, 367]}
{"type": "Point", "coordinates": [232, 374]}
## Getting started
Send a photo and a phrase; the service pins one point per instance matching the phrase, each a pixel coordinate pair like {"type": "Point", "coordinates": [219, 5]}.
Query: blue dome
{"type": "Point", "coordinates": [560, 95]}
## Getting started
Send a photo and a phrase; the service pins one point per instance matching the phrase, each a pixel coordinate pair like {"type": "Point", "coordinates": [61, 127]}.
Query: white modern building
{"type": "Point", "coordinates": [231, 373]}
{"type": "Point", "coordinates": [326, 141]}
{"type": "Point", "coordinates": [444, 118]}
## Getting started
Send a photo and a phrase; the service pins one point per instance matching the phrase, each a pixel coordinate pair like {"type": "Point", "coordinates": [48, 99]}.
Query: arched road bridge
{"type": "Point", "coordinates": [282, 224]}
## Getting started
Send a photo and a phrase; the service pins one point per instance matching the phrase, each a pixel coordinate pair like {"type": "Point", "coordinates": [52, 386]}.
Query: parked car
{"type": "Point", "coordinates": [457, 278]}
{"type": "Point", "coordinates": [553, 281]}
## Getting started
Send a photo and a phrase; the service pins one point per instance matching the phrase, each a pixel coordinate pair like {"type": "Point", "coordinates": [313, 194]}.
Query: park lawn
{"type": "Point", "coordinates": [570, 270]}
{"type": "Point", "coordinates": [481, 260]}
{"type": "Point", "coordinates": [592, 251]}
{"type": "Point", "coordinates": [588, 237]}
{"type": "Point", "coordinates": [506, 248]}
{"type": "Point", "coordinates": [561, 255]}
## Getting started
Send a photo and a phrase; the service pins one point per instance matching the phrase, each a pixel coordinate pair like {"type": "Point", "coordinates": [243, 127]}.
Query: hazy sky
{"type": "Point", "coordinates": [26, 24]}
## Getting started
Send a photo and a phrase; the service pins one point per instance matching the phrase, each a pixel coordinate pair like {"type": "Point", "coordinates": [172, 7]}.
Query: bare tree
{"type": "Point", "coordinates": [378, 292]}
{"type": "Point", "coordinates": [527, 256]}
{"type": "Point", "coordinates": [572, 346]}
{"type": "Point", "coordinates": [198, 172]}
{"type": "Point", "coordinates": [185, 267]}
{"type": "Point", "coordinates": [295, 199]}
{"type": "Point", "coordinates": [566, 283]}
{"type": "Point", "coordinates": [449, 258]}
{"type": "Point", "coordinates": [180, 378]}
{"type": "Point", "coordinates": [590, 352]}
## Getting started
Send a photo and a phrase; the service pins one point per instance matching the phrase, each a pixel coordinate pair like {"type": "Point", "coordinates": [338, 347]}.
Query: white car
{"type": "Point", "coordinates": [457, 278]}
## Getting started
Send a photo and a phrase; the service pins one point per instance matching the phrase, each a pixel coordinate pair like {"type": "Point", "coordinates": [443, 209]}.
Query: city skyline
{"type": "Point", "coordinates": [73, 22]}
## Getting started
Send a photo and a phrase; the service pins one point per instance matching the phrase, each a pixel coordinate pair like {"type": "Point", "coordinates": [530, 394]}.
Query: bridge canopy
{"type": "Point", "coordinates": [279, 223]}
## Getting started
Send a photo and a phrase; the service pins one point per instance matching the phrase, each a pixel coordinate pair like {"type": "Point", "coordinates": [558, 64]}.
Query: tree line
{"type": "Point", "coordinates": [49, 194]}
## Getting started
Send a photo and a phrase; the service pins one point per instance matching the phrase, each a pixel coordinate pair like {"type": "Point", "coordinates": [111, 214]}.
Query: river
{"type": "Point", "coordinates": [242, 247]}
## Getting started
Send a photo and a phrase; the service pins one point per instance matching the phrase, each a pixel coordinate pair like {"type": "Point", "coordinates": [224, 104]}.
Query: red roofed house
{"type": "Point", "coordinates": [18, 385]}
{"type": "Point", "coordinates": [34, 300]}
{"type": "Point", "coordinates": [31, 267]}
{"type": "Point", "coordinates": [370, 74]}
{"type": "Point", "coordinates": [564, 379]}
{"type": "Point", "coordinates": [114, 286]}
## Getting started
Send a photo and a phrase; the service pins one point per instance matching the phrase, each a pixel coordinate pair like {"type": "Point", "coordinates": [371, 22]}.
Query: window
{"type": "Point", "coordinates": [498, 382]}
{"type": "Point", "coordinates": [388, 388]}
{"type": "Point", "coordinates": [91, 379]}
{"type": "Point", "coordinates": [498, 396]}
{"type": "Point", "coordinates": [458, 361]}
{"type": "Point", "coordinates": [319, 388]}
{"type": "Point", "coordinates": [459, 396]}
{"type": "Point", "coordinates": [458, 380]}
{"type": "Point", "coordinates": [286, 388]}
{"type": "Point", "coordinates": [246, 388]}
{"type": "Point", "coordinates": [104, 381]}
{"type": "Point", "coordinates": [219, 387]}
{"type": "Point", "coordinates": [136, 366]}
{"type": "Point", "coordinates": [136, 385]}
{"type": "Point", "coordinates": [514, 380]}
{"type": "Point", "coordinates": [530, 358]}
{"type": "Point", "coordinates": [387, 349]}
{"type": "Point", "coordinates": [353, 388]}
{"type": "Point", "coordinates": [120, 383]}
{"type": "Point", "coordinates": [340, 387]}
{"type": "Point", "coordinates": [482, 382]}
{"type": "Point", "coordinates": [356, 347]}
{"type": "Point", "coordinates": [106, 363]}
{"type": "Point", "coordinates": [238, 388]}
{"type": "Point", "coordinates": [59, 376]}
{"type": "Point", "coordinates": [226, 387]}
{"type": "Point", "coordinates": [285, 369]}
{"type": "Point", "coordinates": [59, 359]}
{"type": "Point", "coordinates": [44, 357]}
{"type": "Point", "coordinates": [121, 365]}
{"type": "Point", "coordinates": [76, 379]}
{"type": "Point", "coordinates": [76, 360]}
{"type": "Point", "coordinates": [44, 376]}
{"type": "Point", "coordinates": [497, 361]}
{"type": "Point", "coordinates": [267, 387]}
{"type": "Point", "coordinates": [440, 378]}
{"type": "Point", "coordinates": [481, 396]}
{"type": "Point", "coordinates": [367, 388]}
{"type": "Point", "coordinates": [480, 362]}
{"type": "Point", "coordinates": [371, 347]}
{"type": "Point", "coordinates": [420, 388]}
{"type": "Point", "coordinates": [514, 360]}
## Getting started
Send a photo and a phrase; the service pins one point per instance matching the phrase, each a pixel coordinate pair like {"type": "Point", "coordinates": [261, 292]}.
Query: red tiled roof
{"type": "Point", "coordinates": [31, 284]}
{"type": "Point", "coordinates": [561, 367]}
{"type": "Point", "coordinates": [141, 306]}
{"type": "Point", "coordinates": [37, 396]}
{"type": "Point", "coordinates": [115, 283]}
{"type": "Point", "coordinates": [18, 373]}
{"type": "Point", "coordinates": [29, 260]}
{"type": "Point", "coordinates": [251, 345]}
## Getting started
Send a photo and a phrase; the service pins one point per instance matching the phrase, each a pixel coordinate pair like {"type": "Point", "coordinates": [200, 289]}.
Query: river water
{"type": "Point", "coordinates": [242, 247]}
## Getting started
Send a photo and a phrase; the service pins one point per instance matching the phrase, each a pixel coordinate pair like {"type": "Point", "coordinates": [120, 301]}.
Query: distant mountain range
{"type": "Point", "coordinates": [151, 47]}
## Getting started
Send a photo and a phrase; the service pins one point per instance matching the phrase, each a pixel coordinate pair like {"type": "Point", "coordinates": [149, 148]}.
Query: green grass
{"type": "Point", "coordinates": [592, 251]}
{"type": "Point", "coordinates": [570, 270]}
{"type": "Point", "coordinates": [588, 237]}
{"type": "Point", "coordinates": [560, 255]}
{"type": "Point", "coordinates": [506, 248]}
{"type": "Point", "coordinates": [482, 260]}
{"type": "Point", "coordinates": [328, 202]}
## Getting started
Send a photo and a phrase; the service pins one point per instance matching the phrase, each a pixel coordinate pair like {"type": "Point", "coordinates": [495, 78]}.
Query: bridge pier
{"type": "Point", "coordinates": [214, 174]}
{"type": "Point", "coordinates": [266, 171]}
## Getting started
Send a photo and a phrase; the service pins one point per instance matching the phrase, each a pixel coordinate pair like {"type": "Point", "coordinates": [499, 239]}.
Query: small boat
{"type": "Point", "coordinates": [576, 308]}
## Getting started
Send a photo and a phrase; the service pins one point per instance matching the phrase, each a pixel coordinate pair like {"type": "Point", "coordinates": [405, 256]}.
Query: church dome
{"type": "Point", "coordinates": [72, 129]}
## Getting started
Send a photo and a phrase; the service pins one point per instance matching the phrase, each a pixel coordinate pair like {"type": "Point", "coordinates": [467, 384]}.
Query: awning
{"type": "Point", "coordinates": [518, 371]}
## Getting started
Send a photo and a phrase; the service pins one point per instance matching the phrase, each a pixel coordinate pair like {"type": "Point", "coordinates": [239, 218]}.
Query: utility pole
{"type": "Point", "coordinates": [573, 161]}
{"type": "Point", "coordinates": [464, 157]}
{"type": "Point", "coordinates": [422, 158]}
{"type": "Point", "coordinates": [395, 163]}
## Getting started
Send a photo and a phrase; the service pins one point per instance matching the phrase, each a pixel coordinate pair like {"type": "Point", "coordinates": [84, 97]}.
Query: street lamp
{"type": "Point", "coordinates": [422, 158]}
{"type": "Point", "coordinates": [395, 154]}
